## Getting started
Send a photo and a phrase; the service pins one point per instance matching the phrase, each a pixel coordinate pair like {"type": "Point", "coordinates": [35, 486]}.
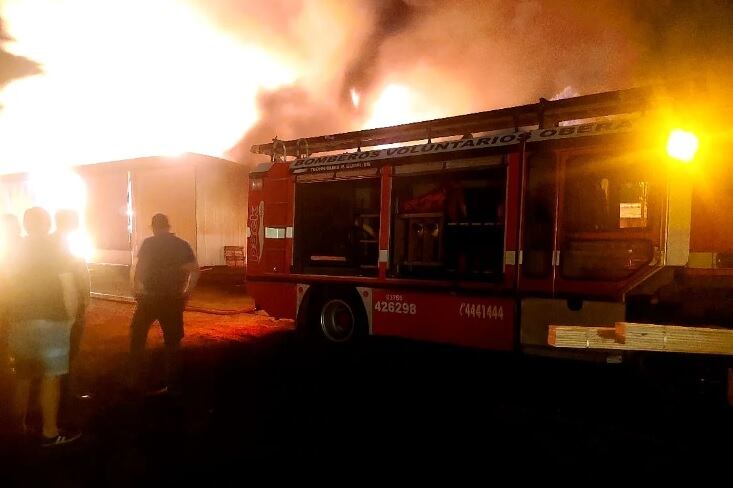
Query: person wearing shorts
{"type": "Point", "coordinates": [43, 298]}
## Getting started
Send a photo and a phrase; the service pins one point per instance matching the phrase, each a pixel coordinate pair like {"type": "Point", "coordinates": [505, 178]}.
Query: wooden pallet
{"type": "Point", "coordinates": [644, 337]}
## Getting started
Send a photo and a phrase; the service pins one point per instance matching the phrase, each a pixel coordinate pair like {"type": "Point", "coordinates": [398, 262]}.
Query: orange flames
{"type": "Point", "coordinates": [147, 77]}
{"type": "Point", "coordinates": [120, 80]}
{"type": "Point", "coordinates": [397, 104]}
{"type": "Point", "coordinates": [126, 79]}
{"type": "Point", "coordinates": [57, 189]}
{"type": "Point", "coordinates": [143, 77]}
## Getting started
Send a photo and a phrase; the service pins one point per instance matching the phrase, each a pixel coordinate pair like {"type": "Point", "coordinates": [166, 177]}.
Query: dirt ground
{"type": "Point", "coordinates": [258, 400]}
{"type": "Point", "coordinates": [215, 316]}
{"type": "Point", "coordinates": [105, 341]}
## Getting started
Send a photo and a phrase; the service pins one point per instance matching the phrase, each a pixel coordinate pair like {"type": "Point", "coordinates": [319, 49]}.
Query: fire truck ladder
{"type": "Point", "coordinates": [545, 113]}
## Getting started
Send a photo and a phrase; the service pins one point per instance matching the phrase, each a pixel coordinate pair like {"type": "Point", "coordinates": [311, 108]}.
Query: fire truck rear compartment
{"type": "Point", "coordinates": [449, 224]}
{"type": "Point", "coordinates": [337, 227]}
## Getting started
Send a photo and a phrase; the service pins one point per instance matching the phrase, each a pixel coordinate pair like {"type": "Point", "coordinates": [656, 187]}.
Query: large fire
{"type": "Point", "coordinates": [159, 77]}
{"type": "Point", "coordinates": [120, 80]}
{"type": "Point", "coordinates": [126, 79]}
{"type": "Point", "coordinates": [138, 78]}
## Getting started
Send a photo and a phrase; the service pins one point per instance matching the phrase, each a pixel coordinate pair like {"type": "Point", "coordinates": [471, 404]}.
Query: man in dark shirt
{"type": "Point", "coordinates": [166, 272]}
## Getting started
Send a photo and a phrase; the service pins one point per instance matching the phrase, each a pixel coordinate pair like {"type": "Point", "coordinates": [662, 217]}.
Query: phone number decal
{"type": "Point", "coordinates": [481, 311]}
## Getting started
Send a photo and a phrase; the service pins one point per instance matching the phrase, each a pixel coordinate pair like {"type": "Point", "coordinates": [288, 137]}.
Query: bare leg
{"type": "Point", "coordinates": [20, 402]}
{"type": "Point", "coordinates": [50, 395]}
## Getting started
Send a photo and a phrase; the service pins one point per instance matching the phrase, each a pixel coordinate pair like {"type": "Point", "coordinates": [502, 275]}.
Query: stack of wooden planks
{"type": "Point", "coordinates": [582, 337]}
{"type": "Point", "coordinates": [644, 337]}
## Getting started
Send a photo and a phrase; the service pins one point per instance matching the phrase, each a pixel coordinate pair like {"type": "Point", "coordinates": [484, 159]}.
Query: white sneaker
{"type": "Point", "coordinates": [61, 439]}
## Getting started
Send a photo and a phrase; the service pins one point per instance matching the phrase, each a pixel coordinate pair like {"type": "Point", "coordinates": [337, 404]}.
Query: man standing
{"type": "Point", "coordinates": [165, 275]}
{"type": "Point", "coordinates": [43, 302]}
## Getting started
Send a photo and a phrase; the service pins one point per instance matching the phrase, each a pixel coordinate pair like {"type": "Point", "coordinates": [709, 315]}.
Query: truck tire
{"type": "Point", "coordinates": [337, 316]}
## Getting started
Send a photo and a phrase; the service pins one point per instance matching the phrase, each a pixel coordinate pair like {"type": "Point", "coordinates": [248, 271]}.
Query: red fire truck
{"type": "Point", "coordinates": [490, 226]}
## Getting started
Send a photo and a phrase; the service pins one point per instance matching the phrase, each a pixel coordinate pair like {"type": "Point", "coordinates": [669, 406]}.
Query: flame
{"type": "Point", "coordinates": [392, 107]}
{"type": "Point", "coordinates": [59, 189]}
{"type": "Point", "coordinates": [397, 104]}
{"type": "Point", "coordinates": [127, 79]}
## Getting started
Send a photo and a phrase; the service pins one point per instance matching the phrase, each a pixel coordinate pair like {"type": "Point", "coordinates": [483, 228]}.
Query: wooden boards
{"type": "Point", "coordinates": [676, 338]}
{"type": "Point", "coordinates": [582, 337]}
{"type": "Point", "coordinates": [644, 337]}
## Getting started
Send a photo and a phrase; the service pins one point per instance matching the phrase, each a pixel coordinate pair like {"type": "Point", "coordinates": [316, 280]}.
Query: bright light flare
{"type": "Point", "coordinates": [682, 145]}
{"type": "Point", "coordinates": [63, 189]}
{"type": "Point", "coordinates": [80, 245]}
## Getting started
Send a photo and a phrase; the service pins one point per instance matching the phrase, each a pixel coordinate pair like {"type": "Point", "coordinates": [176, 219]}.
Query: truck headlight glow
{"type": "Point", "coordinates": [682, 145]}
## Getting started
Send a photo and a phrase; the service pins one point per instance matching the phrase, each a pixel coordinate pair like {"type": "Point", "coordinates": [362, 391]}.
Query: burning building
{"type": "Point", "coordinates": [204, 196]}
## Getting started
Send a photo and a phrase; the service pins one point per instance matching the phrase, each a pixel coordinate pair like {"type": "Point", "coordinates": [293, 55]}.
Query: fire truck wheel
{"type": "Point", "coordinates": [338, 318]}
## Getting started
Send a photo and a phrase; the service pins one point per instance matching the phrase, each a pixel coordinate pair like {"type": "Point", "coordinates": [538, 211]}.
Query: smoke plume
{"type": "Point", "coordinates": [469, 55]}
{"type": "Point", "coordinates": [13, 67]}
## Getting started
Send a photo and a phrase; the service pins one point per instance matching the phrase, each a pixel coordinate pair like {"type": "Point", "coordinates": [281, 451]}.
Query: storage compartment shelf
{"type": "Point", "coordinates": [475, 224]}
{"type": "Point", "coordinates": [424, 215]}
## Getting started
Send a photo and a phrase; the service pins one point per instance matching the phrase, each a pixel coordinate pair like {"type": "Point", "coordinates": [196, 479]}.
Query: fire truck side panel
{"type": "Point", "coordinates": [276, 298]}
{"type": "Point", "coordinates": [289, 229]}
{"type": "Point", "coordinates": [538, 223]}
{"type": "Point", "coordinates": [269, 226]}
{"type": "Point", "coordinates": [601, 249]}
{"type": "Point", "coordinates": [699, 292]}
{"type": "Point", "coordinates": [277, 209]}
{"type": "Point", "coordinates": [711, 239]}
{"type": "Point", "coordinates": [269, 240]}
{"type": "Point", "coordinates": [385, 217]}
{"type": "Point", "coordinates": [441, 317]}
{"type": "Point", "coordinates": [511, 219]}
